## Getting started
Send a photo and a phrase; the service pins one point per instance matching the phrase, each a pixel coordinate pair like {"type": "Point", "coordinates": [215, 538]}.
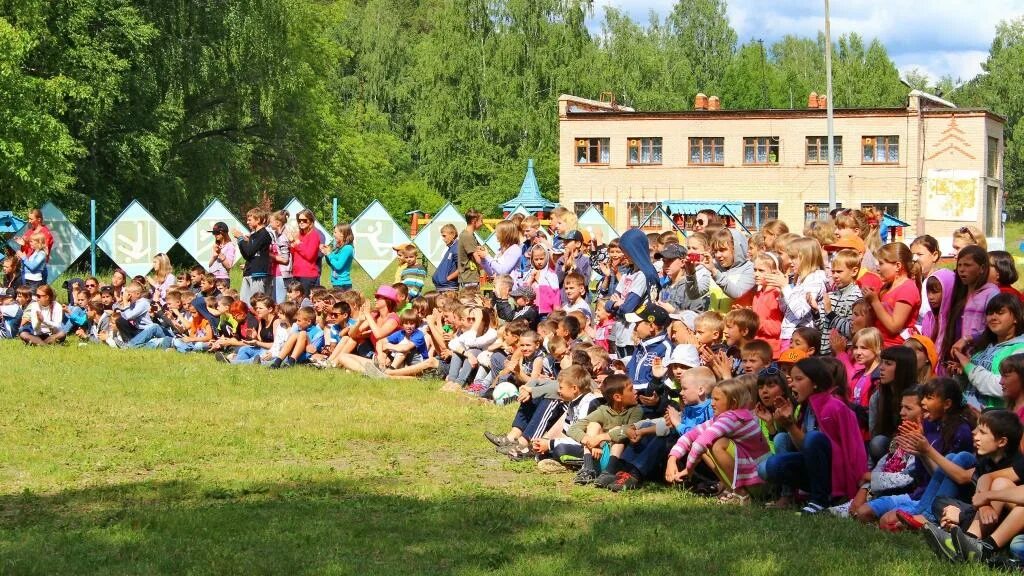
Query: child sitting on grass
{"type": "Point", "coordinates": [406, 346]}
{"type": "Point", "coordinates": [304, 339]}
{"type": "Point", "coordinates": [577, 401]}
{"type": "Point", "coordinates": [731, 444]}
{"type": "Point", "coordinates": [997, 467]}
{"type": "Point", "coordinates": [606, 425]}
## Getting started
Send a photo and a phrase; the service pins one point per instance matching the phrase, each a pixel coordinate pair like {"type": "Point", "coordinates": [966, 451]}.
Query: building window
{"type": "Point", "coordinates": [592, 151]}
{"type": "Point", "coordinates": [993, 157]}
{"type": "Point", "coordinates": [581, 207]}
{"type": "Point", "coordinates": [817, 149]}
{"type": "Point", "coordinates": [881, 149]}
{"type": "Point", "coordinates": [707, 151]}
{"type": "Point", "coordinates": [757, 213]}
{"type": "Point", "coordinates": [890, 208]}
{"type": "Point", "coordinates": [640, 211]}
{"type": "Point", "coordinates": [761, 150]}
{"type": "Point", "coordinates": [817, 211]}
{"type": "Point", "coordinates": [644, 151]}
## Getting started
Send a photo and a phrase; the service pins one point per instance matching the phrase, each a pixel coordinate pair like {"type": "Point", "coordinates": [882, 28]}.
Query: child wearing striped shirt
{"type": "Point", "coordinates": [731, 444]}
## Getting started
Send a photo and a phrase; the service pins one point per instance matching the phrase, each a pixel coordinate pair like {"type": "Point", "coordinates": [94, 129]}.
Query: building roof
{"type": "Point", "coordinates": [529, 195]}
{"type": "Point", "coordinates": [9, 223]}
{"type": "Point", "coordinates": [576, 108]}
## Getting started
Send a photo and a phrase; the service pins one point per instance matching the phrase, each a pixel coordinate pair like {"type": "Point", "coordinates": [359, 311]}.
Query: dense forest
{"type": "Point", "coordinates": [413, 102]}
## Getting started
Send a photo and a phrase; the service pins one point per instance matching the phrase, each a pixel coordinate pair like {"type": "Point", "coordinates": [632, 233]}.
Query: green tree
{"type": "Point", "coordinates": [701, 30]}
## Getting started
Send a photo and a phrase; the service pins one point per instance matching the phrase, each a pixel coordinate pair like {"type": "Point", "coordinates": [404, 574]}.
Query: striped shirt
{"type": "Point", "coordinates": [743, 428]}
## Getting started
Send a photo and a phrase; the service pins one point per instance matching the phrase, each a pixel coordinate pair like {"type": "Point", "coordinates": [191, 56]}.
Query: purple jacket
{"type": "Point", "coordinates": [839, 424]}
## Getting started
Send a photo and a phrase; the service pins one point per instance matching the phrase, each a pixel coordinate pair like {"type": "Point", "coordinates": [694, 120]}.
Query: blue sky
{"type": "Point", "coordinates": [937, 36]}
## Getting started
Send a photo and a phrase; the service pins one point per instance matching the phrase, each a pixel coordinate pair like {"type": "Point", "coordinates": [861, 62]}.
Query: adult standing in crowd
{"type": "Point", "coordinates": [509, 250]}
{"type": "Point", "coordinates": [705, 218]}
{"type": "Point", "coordinates": [224, 253]}
{"type": "Point", "coordinates": [306, 251]}
{"type": "Point", "coordinates": [280, 254]}
{"type": "Point", "coordinates": [36, 226]}
{"type": "Point", "coordinates": [255, 248]}
{"type": "Point", "coordinates": [468, 257]}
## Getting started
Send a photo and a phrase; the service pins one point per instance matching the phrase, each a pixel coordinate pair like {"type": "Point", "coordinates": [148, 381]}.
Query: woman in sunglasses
{"type": "Point", "coordinates": [42, 319]}
{"type": "Point", "coordinates": [968, 236]}
{"type": "Point", "coordinates": [305, 251]}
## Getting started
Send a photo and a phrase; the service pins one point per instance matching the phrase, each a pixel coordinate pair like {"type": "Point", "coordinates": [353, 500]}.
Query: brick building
{"type": "Point", "coordinates": [933, 165]}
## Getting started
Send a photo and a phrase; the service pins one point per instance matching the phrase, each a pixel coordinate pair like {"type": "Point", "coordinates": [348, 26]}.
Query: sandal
{"type": "Point", "coordinates": [730, 497]}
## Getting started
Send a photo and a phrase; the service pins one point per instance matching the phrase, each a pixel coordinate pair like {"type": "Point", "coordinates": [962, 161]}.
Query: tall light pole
{"type": "Point", "coordinates": [828, 108]}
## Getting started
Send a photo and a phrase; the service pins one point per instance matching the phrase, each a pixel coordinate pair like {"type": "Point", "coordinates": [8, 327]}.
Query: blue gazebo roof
{"type": "Point", "coordinates": [529, 195]}
{"type": "Point", "coordinates": [9, 223]}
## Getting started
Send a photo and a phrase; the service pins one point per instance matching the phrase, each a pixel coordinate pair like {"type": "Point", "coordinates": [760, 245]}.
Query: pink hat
{"type": "Point", "coordinates": [387, 292]}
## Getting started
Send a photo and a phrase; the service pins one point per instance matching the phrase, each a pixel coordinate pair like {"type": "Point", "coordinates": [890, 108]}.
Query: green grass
{"type": "Point", "coordinates": [141, 462]}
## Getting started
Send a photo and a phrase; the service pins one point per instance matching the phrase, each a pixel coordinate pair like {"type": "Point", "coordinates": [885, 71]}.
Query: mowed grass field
{"type": "Point", "coordinates": [144, 462]}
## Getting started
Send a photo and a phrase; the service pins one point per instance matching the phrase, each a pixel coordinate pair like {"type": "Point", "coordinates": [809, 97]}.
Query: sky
{"type": "Point", "coordinates": [937, 37]}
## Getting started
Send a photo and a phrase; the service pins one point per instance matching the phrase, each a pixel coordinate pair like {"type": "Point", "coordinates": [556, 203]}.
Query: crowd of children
{"type": "Point", "coordinates": [825, 371]}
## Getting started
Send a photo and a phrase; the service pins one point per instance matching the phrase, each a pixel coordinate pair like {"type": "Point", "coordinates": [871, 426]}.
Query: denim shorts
{"type": "Point", "coordinates": [884, 504]}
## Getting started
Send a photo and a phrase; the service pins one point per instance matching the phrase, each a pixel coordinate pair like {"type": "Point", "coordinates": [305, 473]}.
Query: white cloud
{"type": "Point", "coordinates": [938, 37]}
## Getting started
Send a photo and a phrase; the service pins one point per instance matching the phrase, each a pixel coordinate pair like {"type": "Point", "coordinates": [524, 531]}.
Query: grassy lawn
{"type": "Point", "coordinates": [138, 462]}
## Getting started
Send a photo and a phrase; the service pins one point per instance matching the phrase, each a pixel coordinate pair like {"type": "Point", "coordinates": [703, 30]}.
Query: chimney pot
{"type": "Point", "coordinates": [812, 100]}
{"type": "Point", "coordinates": [700, 102]}
{"type": "Point", "coordinates": [714, 103]}
{"type": "Point", "coordinates": [822, 102]}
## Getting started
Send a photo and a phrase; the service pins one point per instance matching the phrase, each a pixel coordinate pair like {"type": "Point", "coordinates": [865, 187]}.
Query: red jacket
{"type": "Point", "coordinates": [305, 253]}
{"type": "Point", "coordinates": [766, 306]}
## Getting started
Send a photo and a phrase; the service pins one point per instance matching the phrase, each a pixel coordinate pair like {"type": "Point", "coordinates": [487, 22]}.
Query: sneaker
{"type": "Point", "coordinates": [550, 466]}
{"type": "Point", "coordinates": [971, 549]}
{"type": "Point", "coordinates": [842, 510]}
{"type": "Point", "coordinates": [510, 447]}
{"type": "Point", "coordinates": [571, 462]}
{"type": "Point", "coordinates": [624, 481]}
{"type": "Point", "coordinates": [221, 357]}
{"type": "Point", "coordinates": [288, 362]}
{"type": "Point", "coordinates": [584, 476]}
{"type": "Point", "coordinates": [1005, 563]}
{"type": "Point", "coordinates": [605, 479]}
{"type": "Point", "coordinates": [475, 389]}
{"type": "Point", "coordinates": [941, 542]}
{"type": "Point", "coordinates": [371, 370]}
{"type": "Point", "coordinates": [811, 509]}
{"type": "Point", "coordinates": [274, 364]}
{"type": "Point", "coordinates": [321, 363]}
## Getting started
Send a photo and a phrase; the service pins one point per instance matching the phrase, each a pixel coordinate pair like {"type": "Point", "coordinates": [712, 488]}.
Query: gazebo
{"type": "Point", "coordinates": [529, 197]}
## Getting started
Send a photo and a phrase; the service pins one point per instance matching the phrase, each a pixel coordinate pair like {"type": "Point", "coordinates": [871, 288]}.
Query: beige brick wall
{"type": "Point", "coordinates": [792, 182]}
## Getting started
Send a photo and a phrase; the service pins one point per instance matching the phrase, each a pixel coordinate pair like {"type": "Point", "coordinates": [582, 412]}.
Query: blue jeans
{"type": "Point", "coordinates": [650, 454]}
{"type": "Point", "coordinates": [461, 369]}
{"type": "Point", "coordinates": [182, 346]}
{"type": "Point", "coordinates": [939, 485]}
{"type": "Point", "coordinates": [148, 333]}
{"type": "Point", "coordinates": [247, 355]}
{"type": "Point", "coordinates": [808, 469]}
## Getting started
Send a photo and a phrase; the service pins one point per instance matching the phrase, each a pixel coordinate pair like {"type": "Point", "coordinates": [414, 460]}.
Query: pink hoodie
{"type": "Point", "coordinates": [932, 326]}
{"type": "Point", "coordinates": [839, 424]}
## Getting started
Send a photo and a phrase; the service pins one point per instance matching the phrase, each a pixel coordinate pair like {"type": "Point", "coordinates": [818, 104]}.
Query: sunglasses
{"type": "Point", "coordinates": [302, 219]}
{"type": "Point", "coordinates": [702, 222]}
{"type": "Point", "coordinates": [966, 230]}
{"type": "Point", "coordinates": [42, 295]}
{"type": "Point", "coordinates": [87, 285]}
{"type": "Point", "coordinates": [769, 371]}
